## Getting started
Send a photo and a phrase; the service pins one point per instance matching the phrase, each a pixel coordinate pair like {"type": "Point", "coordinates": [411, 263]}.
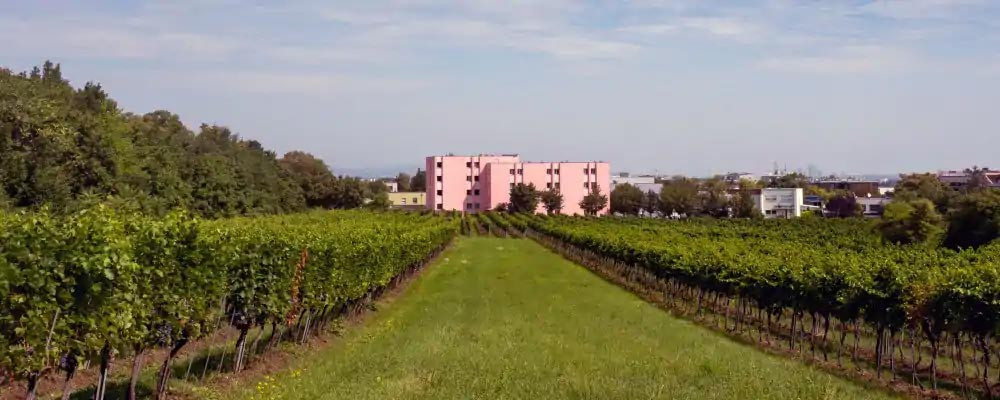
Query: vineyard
{"type": "Point", "coordinates": [84, 289]}
{"type": "Point", "coordinates": [826, 289]}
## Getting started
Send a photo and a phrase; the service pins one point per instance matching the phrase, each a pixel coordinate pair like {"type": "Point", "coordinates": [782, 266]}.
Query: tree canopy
{"type": "Point", "coordinates": [627, 199]}
{"type": "Point", "coordinates": [523, 198]}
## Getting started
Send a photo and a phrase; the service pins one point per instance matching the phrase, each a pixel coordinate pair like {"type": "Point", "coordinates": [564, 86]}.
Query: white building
{"type": "Point", "coordinates": [393, 186]}
{"type": "Point", "coordinates": [873, 206]}
{"type": "Point", "coordinates": [631, 180]}
{"type": "Point", "coordinates": [779, 202]}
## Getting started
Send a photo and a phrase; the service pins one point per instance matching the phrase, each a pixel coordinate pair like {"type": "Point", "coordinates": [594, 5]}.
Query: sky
{"type": "Point", "coordinates": [692, 87]}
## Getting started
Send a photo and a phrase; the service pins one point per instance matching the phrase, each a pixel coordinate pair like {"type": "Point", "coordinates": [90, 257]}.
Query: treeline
{"type": "Point", "coordinates": [100, 284]}
{"type": "Point", "coordinates": [923, 210]}
{"type": "Point", "coordinates": [66, 149]}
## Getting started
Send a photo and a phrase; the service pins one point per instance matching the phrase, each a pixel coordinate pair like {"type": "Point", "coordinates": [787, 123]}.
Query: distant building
{"type": "Point", "coordinates": [873, 206]}
{"type": "Point", "coordinates": [480, 183]}
{"type": "Point", "coordinates": [407, 200]}
{"type": "Point", "coordinates": [736, 177]}
{"type": "Point", "coordinates": [650, 187]}
{"type": "Point", "coordinates": [960, 179]}
{"type": "Point", "coordinates": [778, 202]}
{"type": "Point", "coordinates": [859, 188]}
{"type": "Point", "coordinates": [392, 186]}
{"type": "Point", "coordinates": [622, 179]}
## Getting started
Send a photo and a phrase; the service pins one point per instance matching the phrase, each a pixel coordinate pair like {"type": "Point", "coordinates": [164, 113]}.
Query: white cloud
{"type": "Point", "coordinates": [315, 83]}
{"type": "Point", "coordinates": [844, 60]}
{"type": "Point", "coordinates": [920, 9]}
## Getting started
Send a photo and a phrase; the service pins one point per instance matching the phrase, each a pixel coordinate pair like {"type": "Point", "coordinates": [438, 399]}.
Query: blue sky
{"type": "Point", "coordinates": [694, 87]}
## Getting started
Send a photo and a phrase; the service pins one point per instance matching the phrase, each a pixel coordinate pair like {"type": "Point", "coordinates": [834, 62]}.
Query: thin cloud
{"type": "Point", "coordinates": [845, 60]}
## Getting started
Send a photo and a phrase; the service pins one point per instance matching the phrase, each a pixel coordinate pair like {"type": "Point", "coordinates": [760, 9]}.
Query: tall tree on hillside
{"type": "Point", "coordinates": [594, 201]}
{"type": "Point", "coordinates": [974, 219]}
{"type": "Point", "coordinates": [419, 181]}
{"type": "Point", "coordinates": [523, 198]}
{"type": "Point", "coordinates": [911, 221]}
{"type": "Point", "coordinates": [679, 195]}
{"type": "Point", "coordinates": [313, 176]}
{"type": "Point", "coordinates": [626, 199]}
{"type": "Point", "coordinates": [552, 200]}
{"type": "Point", "coordinates": [403, 182]}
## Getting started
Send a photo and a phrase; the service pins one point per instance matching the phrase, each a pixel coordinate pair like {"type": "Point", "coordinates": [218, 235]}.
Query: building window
{"type": "Point", "coordinates": [557, 185]}
{"type": "Point", "coordinates": [468, 192]}
{"type": "Point", "coordinates": [476, 192]}
{"type": "Point", "coordinates": [477, 164]}
{"type": "Point", "coordinates": [440, 192]}
{"type": "Point", "coordinates": [439, 164]}
{"type": "Point", "coordinates": [548, 171]}
{"type": "Point", "coordinates": [468, 178]}
{"type": "Point", "coordinates": [468, 206]}
{"type": "Point", "coordinates": [440, 206]}
{"type": "Point", "coordinates": [512, 171]}
{"type": "Point", "coordinates": [468, 164]}
{"type": "Point", "coordinates": [593, 171]}
{"type": "Point", "coordinates": [404, 200]}
{"type": "Point", "coordinates": [585, 171]}
{"type": "Point", "coordinates": [511, 185]}
{"type": "Point", "coordinates": [586, 185]}
{"type": "Point", "coordinates": [557, 171]}
{"type": "Point", "coordinates": [477, 206]}
{"type": "Point", "coordinates": [548, 185]}
{"type": "Point", "coordinates": [477, 178]}
{"type": "Point", "coordinates": [414, 200]}
{"type": "Point", "coordinates": [520, 172]}
{"type": "Point", "coordinates": [439, 178]}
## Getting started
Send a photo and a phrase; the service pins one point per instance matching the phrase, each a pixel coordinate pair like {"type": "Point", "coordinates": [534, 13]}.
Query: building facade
{"type": "Point", "coordinates": [407, 200]}
{"type": "Point", "coordinates": [481, 183]}
{"type": "Point", "coordinates": [779, 202]}
{"type": "Point", "coordinates": [631, 180]}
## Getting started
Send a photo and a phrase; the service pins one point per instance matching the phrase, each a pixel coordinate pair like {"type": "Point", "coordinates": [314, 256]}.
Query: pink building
{"type": "Point", "coordinates": [480, 183]}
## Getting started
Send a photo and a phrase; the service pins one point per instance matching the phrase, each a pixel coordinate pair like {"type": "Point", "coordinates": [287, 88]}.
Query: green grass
{"type": "Point", "coordinates": [507, 319]}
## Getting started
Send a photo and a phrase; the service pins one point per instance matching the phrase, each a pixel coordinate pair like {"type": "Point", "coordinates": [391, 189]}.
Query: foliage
{"type": "Point", "coordinates": [651, 203]}
{"type": "Point", "coordinates": [713, 199]}
{"type": "Point", "coordinates": [403, 181]}
{"type": "Point", "coordinates": [909, 222]}
{"type": "Point", "coordinates": [419, 181]}
{"type": "Point", "coordinates": [379, 201]}
{"type": "Point", "coordinates": [523, 198]}
{"type": "Point", "coordinates": [594, 201]}
{"type": "Point", "coordinates": [552, 200]}
{"type": "Point", "coordinates": [792, 180]}
{"type": "Point", "coordinates": [627, 199]}
{"type": "Point", "coordinates": [974, 219]}
{"type": "Point", "coordinates": [843, 205]}
{"type": "Point", "coordinates": [743, 205]}
{"type": "Point", "coordinates": [923, 186]}
{"type": "Point", "coordinates": [679, 195]}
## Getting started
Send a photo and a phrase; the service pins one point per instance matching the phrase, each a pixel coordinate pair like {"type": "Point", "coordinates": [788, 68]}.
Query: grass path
{"type": "Point", "coordinates": [507, 319]}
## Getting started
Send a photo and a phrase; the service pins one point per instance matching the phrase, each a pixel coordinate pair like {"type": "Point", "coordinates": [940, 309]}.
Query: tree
{"type": "Point", "coordinates": [419, 181]}
{"type": "Point", "coordinates": [974, 219]}
{"type": "Point", "coordinates": [792, 180]}
{"type": "Point", "coordinates": [923, 186]}
{"type": "Point", "coordinates": [552, 200]}
{"type": "Point", "coordinates": [627, 199]}
{"type": "Point", "coordinates": [911, 221]}
{"type": "Point", "coordinates": [403, 182]}
{"type": "Point", "coordinates": [843, 205]}
{"type": "Point", "coordinates": [523, 198]}
{"type": "Point", "coordinates": [743, 205]}
{"type": "Point", "coordinates": [713, 198]}
{"type": "Point", "coordinates": [652, 203]}
{"type": "Point", "coordinates": [594, 202]}
{"type": "Point", "coordinates": [977, 178]}
{"type": "Point", "coordinates": [679, 195]}
{"type": "Point", "coordinates": [347, 192]}
{"type": "Point", "coordinates": [313, 176]}
{"type": "Point", "coordinates": [379, 201]}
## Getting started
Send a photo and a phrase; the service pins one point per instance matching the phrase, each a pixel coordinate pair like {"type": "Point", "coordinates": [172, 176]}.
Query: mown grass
{"type": "Point", "coordinates": [507, 319]}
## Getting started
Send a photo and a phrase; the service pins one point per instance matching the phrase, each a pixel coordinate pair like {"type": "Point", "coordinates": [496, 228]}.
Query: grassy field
{"type": "Point", "coordinates": [507, 319]}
